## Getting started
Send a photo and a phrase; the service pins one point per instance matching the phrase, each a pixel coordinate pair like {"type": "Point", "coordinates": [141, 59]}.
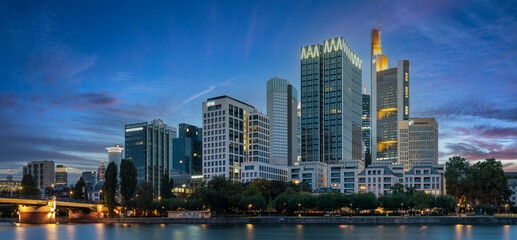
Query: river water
{"type": "Point", "coordinates": [250, 231]}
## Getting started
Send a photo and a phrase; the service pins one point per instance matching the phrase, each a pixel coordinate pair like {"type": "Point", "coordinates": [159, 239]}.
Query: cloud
{"type": "Point", "coordinates": [480, 150]}
{"type": "Point", "coordinates": [490, 132]}
{"type": "Point", "coordinates": [86, 100]}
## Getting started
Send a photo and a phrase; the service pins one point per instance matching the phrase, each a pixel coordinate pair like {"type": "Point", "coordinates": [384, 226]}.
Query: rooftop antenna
{"type": "Point", "coordinates": [380, 4]}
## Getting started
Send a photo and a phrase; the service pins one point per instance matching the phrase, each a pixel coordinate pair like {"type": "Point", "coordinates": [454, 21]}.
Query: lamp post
{"type": "Point", "coordinates": [299, 210]}
{"type": "Point", "coordinates": [249, 207]}
{"type": "Point", "coordinates": [402, 206]}
{"type": "Point", "coordinates": [71, 192]}
{"type": "Point", "coordinates": [350, 209]}
{"type": "Point", "coordinates": [21, 187]}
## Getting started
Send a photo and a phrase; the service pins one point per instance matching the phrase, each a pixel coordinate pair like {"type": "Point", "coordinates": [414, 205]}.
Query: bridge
{"type": "Point", "coordinates": [36, 209]}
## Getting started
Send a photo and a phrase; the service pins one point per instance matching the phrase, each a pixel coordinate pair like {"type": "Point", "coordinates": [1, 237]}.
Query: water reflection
{"type": "Point", "coordinates": [251, 232]}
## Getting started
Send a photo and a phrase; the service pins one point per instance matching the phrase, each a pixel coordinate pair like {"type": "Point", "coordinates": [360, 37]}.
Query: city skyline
{"type": "Point", "coordinates": [66, 95]}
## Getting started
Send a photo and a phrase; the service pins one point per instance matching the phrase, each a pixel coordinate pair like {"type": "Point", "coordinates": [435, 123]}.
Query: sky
{"type": "Point", "coordinates": [73, 73]}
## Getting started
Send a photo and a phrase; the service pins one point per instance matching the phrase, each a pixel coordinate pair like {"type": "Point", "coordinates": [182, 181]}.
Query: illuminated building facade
{"type": "Point", "coordinates": [187, 149]}
{"type": "Point", "coordinates": [115, 154]}
{"type": "Point", "coordinates": [61, 176]}
{"type": "Point", "coordinates": [389, 102]}
{"type": "Point", "coordinates": [101, 171]}
{"type": "Point", "coordinates": [330, 102]}
{"type": "Point", "coordinates": [258, 137]}
{"type": "Point", "coordinates": [313, 173]}
{"type": "Point", "coordinates": [341, 175]}
{"type": "Point", "coordinates": [418, 142]}
{"type": "Point", "coordinates": [282, 110]}
{"type": "Point", "coordinates": [366, 128]}
{"type": "Point", "coordinates": [149, 146]}
{"type": "Point", "coordinates": [225, 136]}
{"type": "Point", "coordinates": [42, 171]}
{"type": "Point", "coordinates": [255, 169]}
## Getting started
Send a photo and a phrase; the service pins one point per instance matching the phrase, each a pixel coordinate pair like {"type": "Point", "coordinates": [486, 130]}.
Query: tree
{"type": "Point", "coordinates": [491, 188]}
{"type": "Point", "coordinates": [457, 178]}
{"type": "Point", "coordinates": [110, 187]}
{"type": "Point", "coordinates": [364, 201]}
{"type": "Point", "coordinates": [29, 185]}
{"type": "Point", "coordinates": [144, 197]}
{"type": "Point", "coordinates": [327, 202]}
{"type": "Point", "coordinates": [80, 189]}
{"type": "Point", "coordinates": [276, 188]}
{"type": "Point", "coordinates": [256, 201]}
{"type": "Point", "coordinates": [166, 187]}
{"type": "Point", "coordinates": [221, 194]}
{"type": "Point", "coordinates": [262, 185]}
{"type": "Point", "coordinates": [280, 202]}
{"type": "Point", "coordinates": [423, 200]}
{"type": "Point", "coordinates": [446, 202]}
{"type": "Point", "coordinates": [128, 181]}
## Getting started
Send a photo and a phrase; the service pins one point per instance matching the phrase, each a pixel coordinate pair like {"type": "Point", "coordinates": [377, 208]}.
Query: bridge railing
{"type": "Point", "coordinates": [45, 198]}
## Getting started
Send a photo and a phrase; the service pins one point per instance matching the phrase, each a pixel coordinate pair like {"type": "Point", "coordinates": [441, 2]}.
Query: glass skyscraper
{"type": "Point", "coordinates": [149, 146]}
{"type": "Point", "coordinates": [330, 102]}
{"type": "Point", "coordinates": [390, 102]}
{"type": "Point", "coordinates": [187, 148]}
{"type": "Point", "coordinates": [366, 129]}
{"type": "Point", "coordinates": [282, 110]}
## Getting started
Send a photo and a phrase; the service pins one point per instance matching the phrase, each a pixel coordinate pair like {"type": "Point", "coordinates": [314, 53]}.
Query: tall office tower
{"type": "Point", "coordinates": [149, 146]}
{"type": "Point", "coordinates": [42, 171]}
{"type": "Point", "coordinates": [331, 102]}
{"type": "Point", "coordinates": [282, 110]}
{"type": "Point", "coordinates": [225, 145]}
{"type": "Point", "coordinates": [186, 150]}
{"type": "Point", "coordinates": [258, 137]}
{"type": "Point", "coordinates": [61, 176]}
{"type": "Point", "coordinates": [90, 179]}
{"type": "Point", "coordinates": [366, 128]}
{"type": "Point", "coordinates": [101, 171]}
{"type": "Point", "coordinates": [418, 145]}
{"type": "Point", "coordinates": [115, 154]}
{"type": "Point", "coordinates": [389, 102]}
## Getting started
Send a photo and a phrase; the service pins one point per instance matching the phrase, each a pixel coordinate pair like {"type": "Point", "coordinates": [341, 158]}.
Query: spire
{"type": "Point", "coordinates": [380, 4]}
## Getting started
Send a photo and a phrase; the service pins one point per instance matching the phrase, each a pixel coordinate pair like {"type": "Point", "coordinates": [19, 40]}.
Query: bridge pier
{"type": "Point", "coordinates": [38, 214]}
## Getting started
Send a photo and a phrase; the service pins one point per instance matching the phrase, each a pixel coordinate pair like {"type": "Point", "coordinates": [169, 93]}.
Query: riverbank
{"type": "Point", "coordinates": [499, 220]}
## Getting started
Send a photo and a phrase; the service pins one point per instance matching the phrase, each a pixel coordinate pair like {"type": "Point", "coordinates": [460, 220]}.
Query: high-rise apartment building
{"type": "Point", "coordinates": [258, 138]}
{"type": "Point", "coordinates": [282, 110]}
{"type": "Point", "coordinates": [366, 129]}
{"type": "Point", "coordinates": [187, 149]}
{"type": "Point", "coordinates": [149, 146]}
{"type": "Point", "coordinates": [418, 142]}
{"type": "Point", "coordinates": [90, 179]}
{"type": "Point", "coordinates": [331, 102]}
{"type": "Point", "coordinates": [225, 136]}
{"type": "Point", "coordinates": [115, 154]}
{"type": "Point", "coordinates": [42, 171]}
{"type": "Point", "coordinates": [389, 102]}
{"type": "Point", "coordinates": [61, 176]}
{"type": "Point", "coordinates": [101, 171]}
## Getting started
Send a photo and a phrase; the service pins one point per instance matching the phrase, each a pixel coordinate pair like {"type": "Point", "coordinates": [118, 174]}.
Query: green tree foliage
{"type": "Point", "coordinates": [423, 200]}
{"type": "Point", "coordinates": [395, 201]}
{"type": "Point", "coordinates": [262, 185]}
{"type": "Point", "coordinates": [221, 194]}
{"type": "Point", "coordinates": [110, 187]}
{"type": "Point", "coordinates": [280, 202]}
{"type": "Point", "coordinates": [364, 201]}
{"type": "Point", "coordinates": [143, 199]}
{"type": "Point", "coordinates": [128, 181]}
{"type": "Point", "coordinates": [166, 187]}
{"type": "Point", "coordinates": [194, 204]}
{"type": "Point", "coordinates": [29, 185]}
{"type": "Point", "coordinates": [446, 202]}
{"type": "Point", "coordinates": [253, 202]}
{"type": "Point", "coordinates": [276, 188]}
{"type": "Point", "coordinates": [80, 189]}
{"type": "Point", "coordinates": [328, 202]}
{"type": "Point", "coordinates": [483, 182]}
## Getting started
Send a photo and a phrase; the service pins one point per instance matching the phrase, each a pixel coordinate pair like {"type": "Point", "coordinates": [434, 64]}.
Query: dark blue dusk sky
{"type": "Point", "coordinates": [73, 74]}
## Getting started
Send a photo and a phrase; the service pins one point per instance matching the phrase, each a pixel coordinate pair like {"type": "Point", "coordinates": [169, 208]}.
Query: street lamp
{"type": "Point", "coordinates": [249, 207]}
{"type": "Point", "coordinates": [71, 192]}
{"type": "Point", "coordinates": [402, 205]}
{"type": "Point", "coordinates": [21, 191]}
{"type": "Point", "coordinates": [350, 209]}
{"type": "Point", "coordinates": [299, 210]}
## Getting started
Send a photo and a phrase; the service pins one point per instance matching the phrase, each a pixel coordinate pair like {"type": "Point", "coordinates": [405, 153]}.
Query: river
{"type": "Point", "coordinates": [10, 231]}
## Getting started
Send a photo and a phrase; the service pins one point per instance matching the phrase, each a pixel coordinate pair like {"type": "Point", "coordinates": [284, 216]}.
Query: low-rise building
{"type": "Point", "coordinates": [377, 179]}
{"type": "Point", "coordinates": [341, 175]}
{"type": "Point", "coordinates": [313, 173]}
{"type": "Point", "coordinates": [425, 178]}
{"type": "Point", "coordinates": [255, 169]}
{"type": "Point", "coordinates": [512, 184]}
{"type": "Point", "coordinates": [185, 184]}
{"type": "Point", "coordinates": [10, 185]}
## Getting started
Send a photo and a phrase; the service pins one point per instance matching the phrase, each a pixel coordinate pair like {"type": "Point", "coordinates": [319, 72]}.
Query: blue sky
{"type": "Point", "coordinates": [73, 74]}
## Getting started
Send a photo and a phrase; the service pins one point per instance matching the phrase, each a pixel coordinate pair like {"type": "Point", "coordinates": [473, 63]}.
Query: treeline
{"type": "Point", "coordinates": [483, 183]}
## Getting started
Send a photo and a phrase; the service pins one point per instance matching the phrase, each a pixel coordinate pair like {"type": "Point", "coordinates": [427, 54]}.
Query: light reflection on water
{"type": "Point", "coordinates": [251, 232]}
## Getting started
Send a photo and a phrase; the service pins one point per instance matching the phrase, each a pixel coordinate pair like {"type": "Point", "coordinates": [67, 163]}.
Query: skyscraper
{"type": "Point", "coordinates": [331, 102]}
{"type": "Point", "coordinates": [115, 154]}
{"type": "Point", "coordinates": [42, 171]}
{"type": "Point", "coordinates": [366, 128]}
{"type": "Point", "coordinates": [187, 148]}
{"type": "Point", "coordinates": [389, 102]}
{"type": "Point", "coordinates": [225, 138]}
{"type": "Point", "coordinates": [258, 137]}
{"type": "Point", "coordinates": [90, 179]}
{"type": "Point", "coordinates": [100, 171]}
{"type": "Point", "coordinates": [61, 176]}
{"type": "Point", "coordinates": [149, 146]}
{"type": "Point", "coordinates": [282, 110]}
{"type": "Point", "coordinates": [418, 145]}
